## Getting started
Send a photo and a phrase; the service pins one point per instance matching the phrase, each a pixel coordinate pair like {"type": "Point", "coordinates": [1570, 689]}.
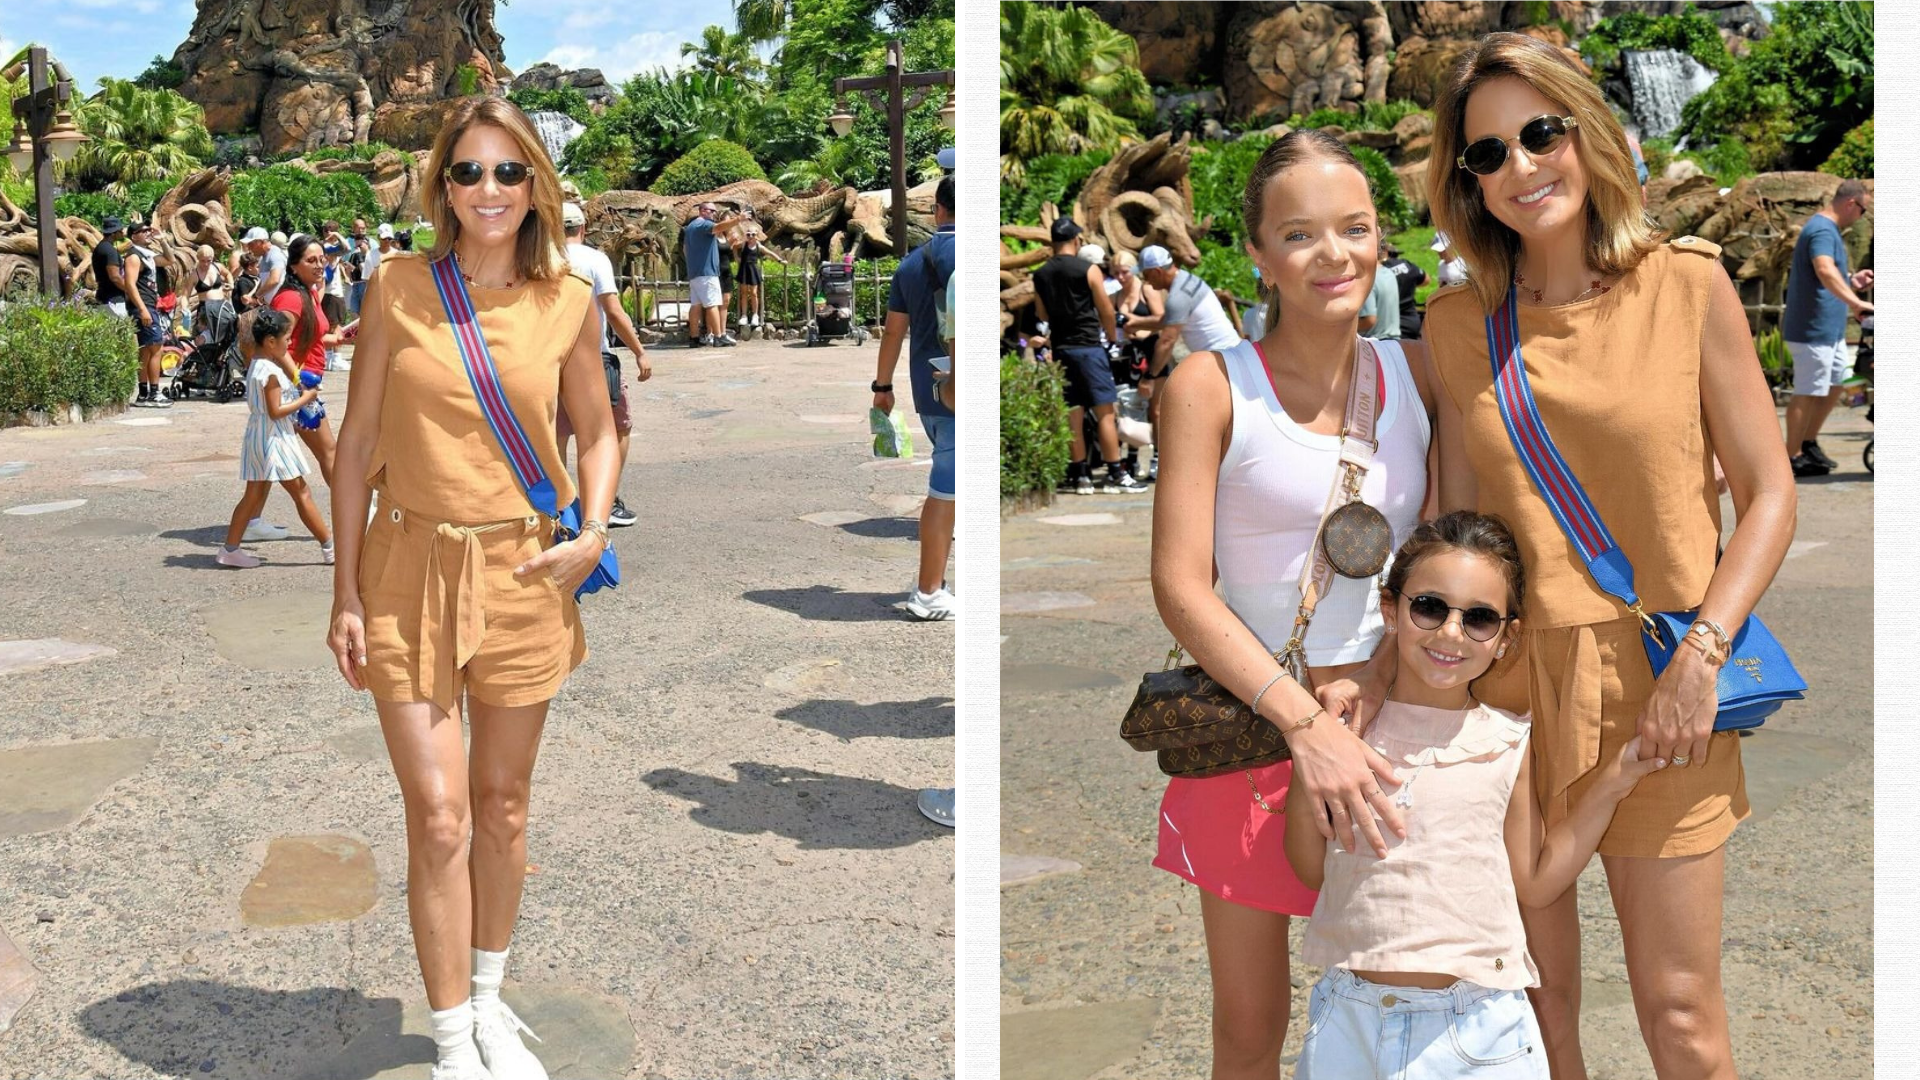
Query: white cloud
{"type": "Point", "coordinates": [621, 60]}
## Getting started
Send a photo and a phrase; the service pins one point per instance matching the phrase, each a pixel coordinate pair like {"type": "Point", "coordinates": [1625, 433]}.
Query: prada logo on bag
{"type": "Point", "coordinates": [1750, 665]}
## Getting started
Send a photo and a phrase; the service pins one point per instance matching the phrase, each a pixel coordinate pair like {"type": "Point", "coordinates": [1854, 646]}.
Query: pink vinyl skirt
{"type": "Point", "coordinates": [1213, 834]}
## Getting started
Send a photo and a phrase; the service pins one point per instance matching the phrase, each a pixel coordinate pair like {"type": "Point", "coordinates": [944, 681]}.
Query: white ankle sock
{"type": "Point", "coordinates": [453, 1031]}
{"type": "Point", "coordinates": [489, 968]}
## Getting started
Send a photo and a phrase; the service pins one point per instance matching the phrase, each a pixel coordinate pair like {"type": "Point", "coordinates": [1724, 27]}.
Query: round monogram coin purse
{"type": "Point", "coordinates": [1357, 540]}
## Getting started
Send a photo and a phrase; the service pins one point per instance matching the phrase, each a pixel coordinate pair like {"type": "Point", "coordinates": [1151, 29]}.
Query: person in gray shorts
{"type": "Point", "coordinates": [1820, 294]}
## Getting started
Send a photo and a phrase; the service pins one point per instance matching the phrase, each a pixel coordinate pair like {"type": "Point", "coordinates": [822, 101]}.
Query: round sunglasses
{"type": "Point", "coordinates": [1480, 622]}
{"type": "Point", "coordinates": [469, 173]}
{"type": "Point", "coordinates": [1538, 136]}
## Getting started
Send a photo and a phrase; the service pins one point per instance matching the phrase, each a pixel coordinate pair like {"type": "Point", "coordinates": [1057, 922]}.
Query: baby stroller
{"type": "Point", "coordinates": [833, 307]}
{"type": "Point", "coordinates": [211, 363]}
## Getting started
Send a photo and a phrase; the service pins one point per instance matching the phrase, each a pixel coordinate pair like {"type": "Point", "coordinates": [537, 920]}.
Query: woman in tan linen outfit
{"type": "Point", "coordinates": [457, 591]}
{"type": "Point", "coordinates": [1642, 366]}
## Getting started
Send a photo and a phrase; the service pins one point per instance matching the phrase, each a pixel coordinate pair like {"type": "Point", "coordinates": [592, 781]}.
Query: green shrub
{"type": "Point", "coordinates": [1687, 32]}
{"type": "Point", "coordinates": [1775, 360]}
{"type": "Point", "coordinates": [1371, 116]}
{"type": "Point", "coordinates": [1034, 444]}
{"type": "Point", "coordinates": [1219, 178]}
{"type": "Point", "coordinates": [564, 99]}
{"type": "Point", "coordinates": [293, 200]}
{"type": "Point", "coordinates": [94, 206]}
{"type": "Point", "coordinates": [1853, 158]}
{"type": "Point", "coordinates": [1389, 199]}
{"type": "Point", "coordinates": [53, 355]}
{"type": "Point", "coordinates": [1227, 267]}
{"type": "Point", "coordinates": [1051, 178]}
{"type": "Point", "coordinates": [714, 163]}
{"type": "Point", "coordinates": [1797, 92]}
{"type": "Point", "coordinates": [591, 181]}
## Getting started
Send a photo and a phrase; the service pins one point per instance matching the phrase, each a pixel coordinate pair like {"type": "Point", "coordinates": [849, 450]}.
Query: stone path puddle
{"type": "Point", "coordinates": [144, 421]}
{"type": "Point", "coordinates": [36, 509]}
{"type": "Point", "coordinates": [1076, 1042]}
{"type": "Point", "coordinates": [112, 476]}
{"type": "Point", "coordinates": [22, 656]}
{"type": "Point", "coordinates": [586, 1037]}
{"type": "Point", "coordinates": [1028, 603]}
{"type": "Point", "coordinates": [810, 678]}
{"type": "Point", "coordinates": [1021, 869]}
{"type": "Point", "coordinates": [13, 468]}
{"type": "Point", "coordinates": [1053, 678]}
{"type": "Point", "coordinates": [48, 787]}
{"type": "Point", "coordinates": [282, 632]}
{"type": "Point", "coordinates": [835, 518]}
{"type": "Point", "coordinates": [311, 879]}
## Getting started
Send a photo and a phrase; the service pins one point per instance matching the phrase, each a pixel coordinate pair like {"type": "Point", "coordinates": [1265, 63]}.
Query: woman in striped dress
{"type": "Point", "coordinates": [270, 451]}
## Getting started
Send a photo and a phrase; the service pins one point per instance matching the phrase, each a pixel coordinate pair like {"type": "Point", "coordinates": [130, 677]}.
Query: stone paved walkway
{"type": "Point", "coordinates": [202, 841]}
{"type": "Point", "coordinates": [1103, 966]}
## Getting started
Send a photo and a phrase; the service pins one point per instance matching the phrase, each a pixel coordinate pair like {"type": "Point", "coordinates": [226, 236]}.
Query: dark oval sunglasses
{"type": "Point", "coordinates": [1479, 623]}
{"type": "Point", "coordinates": [1540, 135]}
{"type": "Point", "coordinates": [469, 173]}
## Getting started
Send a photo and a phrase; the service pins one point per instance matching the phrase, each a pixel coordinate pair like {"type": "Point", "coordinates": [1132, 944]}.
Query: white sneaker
{"type": "Point", "coordinates": [931, 607]}
{"type": "Point", "coordinates": [259, 529]}
{"type": "Point", "coordinates": [239, 560]}
{"type": "Point", "coordinates": [937, 805]}
{"type": "Point", "coordinates": [466, 1068]}
{"type": "Point", "coordinates": [497, 1031]}
{"type": "Point", "coordinates": [161, 400]}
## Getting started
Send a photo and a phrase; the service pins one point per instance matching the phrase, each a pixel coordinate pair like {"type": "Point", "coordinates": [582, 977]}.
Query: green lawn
{"type": "Point", "coordinates": [1413, 248]}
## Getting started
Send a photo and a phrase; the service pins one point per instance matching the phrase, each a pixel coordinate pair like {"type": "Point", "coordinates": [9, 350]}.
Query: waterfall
{"type": "Point", "coordinates": [556, 129]}
{"type": "Point", "coordinates": [1663, 81]}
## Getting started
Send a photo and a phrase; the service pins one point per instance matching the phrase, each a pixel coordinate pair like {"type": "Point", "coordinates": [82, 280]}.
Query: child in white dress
{"type": "Point", "coordinates": [270, 453]}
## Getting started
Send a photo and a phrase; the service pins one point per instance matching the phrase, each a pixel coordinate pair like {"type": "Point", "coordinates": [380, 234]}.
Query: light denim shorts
{"type": "Point", "coordinates": [1817, 369]}
{"type": "Point", "coordinates": [1360, 1029]}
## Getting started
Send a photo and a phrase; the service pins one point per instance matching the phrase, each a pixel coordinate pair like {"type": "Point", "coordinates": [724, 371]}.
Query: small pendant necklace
{"type": "Point", "coordinates": [1596, 289]}
{"type": "Point", "coordinates": [461, 265]}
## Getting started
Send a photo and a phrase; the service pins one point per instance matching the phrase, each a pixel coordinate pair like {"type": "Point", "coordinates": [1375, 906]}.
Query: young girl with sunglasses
{"type": "Point", "coordinates": [1426, 959]}
{"type": "Point", "coordinates": [1642, 369]}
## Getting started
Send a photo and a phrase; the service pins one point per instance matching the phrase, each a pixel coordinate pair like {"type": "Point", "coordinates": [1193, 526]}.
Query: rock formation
{"type": "Point", "coordinates": [195, 212]}
{"type": "Point", "coordinates": [393, 175]}
{"type": "Point", "coordinates": [589, 81]}
{"type": "Point", "coordinates": [312, 73]}
{"type": "Point", "coordinates": [1178, 43]}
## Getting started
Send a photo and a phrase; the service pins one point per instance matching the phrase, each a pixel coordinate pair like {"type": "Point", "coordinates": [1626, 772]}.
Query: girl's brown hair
{"type": "Point", "coordinates": [1293, 148]}
{"type": "Point", "coordinates": [1619, 233]}
{"type": "Point", "coordinates": [539, 255]}
{"type": "Point", "coordinates": [1484, 535]}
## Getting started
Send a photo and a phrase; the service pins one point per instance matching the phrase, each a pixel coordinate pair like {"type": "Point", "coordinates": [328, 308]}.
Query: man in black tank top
{"type": "Point", "coordinates": [1071, 296]}
{"type": "Point", "coordinates": [109, 284]}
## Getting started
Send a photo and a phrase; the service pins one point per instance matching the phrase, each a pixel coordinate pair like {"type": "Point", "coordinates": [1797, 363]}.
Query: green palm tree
{"type": "Point", "coordinates": [729, 56]}
{"type": "Point", "coordinates": [138, 134]}
{"type": "Point", "coordinates": [760, 20]}
{"type": "Point", "coordinates": [1069, 84]}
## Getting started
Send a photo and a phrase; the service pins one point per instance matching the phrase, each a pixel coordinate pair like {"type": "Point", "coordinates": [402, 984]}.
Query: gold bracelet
{"type": "Point", "coordinates": [1304, 724]}
{"type": "Point", "coordinates": [1712, 652]}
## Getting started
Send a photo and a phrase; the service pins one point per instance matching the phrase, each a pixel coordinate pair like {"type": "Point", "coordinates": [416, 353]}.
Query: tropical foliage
{"type": "Point", "coordinates": [290, 199]}
{"type": "Point", "coordinates": [1687, 32]}
{"type": "Point", "coordinates": [1054, 178]}
{"type": "Point", "coordinates": [729, 56]}
{"type": "Point", "coordinates": [1069, 84]}
{"type": "Point", "coordinates": [1853, 158]}
{"type": "Point", "coordinates": [137, 134]}
{"type": "Point", "coordinates": [1034, 446]}
{"type": "Point", "coordinates": [1795, 95]}
{"type": "Point", "coordinates": [561, 99]}
{"type": "Point", "coordinates": [53, 355]}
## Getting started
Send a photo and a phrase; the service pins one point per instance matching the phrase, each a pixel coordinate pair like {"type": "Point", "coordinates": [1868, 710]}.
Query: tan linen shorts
{"type": "Point", "coordinates": [1585, 686]}
{"type": "Point", "coordinates": [444, 612]}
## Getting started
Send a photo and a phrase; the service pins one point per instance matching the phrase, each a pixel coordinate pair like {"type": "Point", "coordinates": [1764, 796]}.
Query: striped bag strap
{"type": "Point", "coordinates": [1547, 468]}
{"type": "Point", "coordinates": [487, 390]}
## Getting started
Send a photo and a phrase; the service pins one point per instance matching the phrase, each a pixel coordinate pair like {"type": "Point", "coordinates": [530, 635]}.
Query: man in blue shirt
{"type": "Point", "coordinates": [913, 302]}
{"type": "Point", "coordinates": [1820, 293]}
{"type": "Point", "coordinates": [706, 319]}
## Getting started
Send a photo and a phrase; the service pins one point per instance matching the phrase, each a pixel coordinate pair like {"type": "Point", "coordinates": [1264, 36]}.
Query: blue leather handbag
{"type": "Point", "coordinates": [506, 427]}
{"type": "Point", "coordinates": [1757, 677]}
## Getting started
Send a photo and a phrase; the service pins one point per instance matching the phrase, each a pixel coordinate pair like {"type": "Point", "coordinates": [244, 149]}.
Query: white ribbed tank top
{"type": "Point", "coordinates": [1273, 489]}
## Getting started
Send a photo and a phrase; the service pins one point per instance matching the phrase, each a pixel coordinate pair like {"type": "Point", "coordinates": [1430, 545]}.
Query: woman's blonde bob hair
{"type": "Point", "coordinates": [1619, 233]}
{"type": "Point", "coordinates": [539, 255]}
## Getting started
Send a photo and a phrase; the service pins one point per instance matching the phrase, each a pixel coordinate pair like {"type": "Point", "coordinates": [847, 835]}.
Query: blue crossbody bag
{"type": "Point", "coordinates": [506, 427]}
{"type": "Point", "coordinates": [1757, 677]}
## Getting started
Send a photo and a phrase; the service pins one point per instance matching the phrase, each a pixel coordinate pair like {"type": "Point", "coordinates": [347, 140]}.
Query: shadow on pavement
{"type": "Point", "coordinates": [206, 536]}
{"type": "Point", "coordinates": [885, 528]}
{"type": "Point", "coordinates": [928, 718]}
{"type": "Point", "coordinates": [820, 810]}
{"type": "Point", "coordinates": [224, 1032]}
{"type": "Point", "coordinates": [827, 603]}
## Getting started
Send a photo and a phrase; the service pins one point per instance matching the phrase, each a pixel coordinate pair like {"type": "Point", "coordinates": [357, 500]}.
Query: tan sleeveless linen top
{"type": "Point", "coordinates": [437, 453]}
{"type": "Point", "coordinates": [1617, 381]}
{"type": "Point", "coordinates": [1443, 899]}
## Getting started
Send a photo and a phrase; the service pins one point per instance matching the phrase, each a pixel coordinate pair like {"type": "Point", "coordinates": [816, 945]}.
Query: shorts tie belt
{"type": "Point", "coordinates": [453, 604]}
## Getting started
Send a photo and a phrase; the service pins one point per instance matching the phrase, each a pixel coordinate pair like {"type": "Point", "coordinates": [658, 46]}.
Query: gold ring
{"type": "Point", "coordinates": [1681, 759]}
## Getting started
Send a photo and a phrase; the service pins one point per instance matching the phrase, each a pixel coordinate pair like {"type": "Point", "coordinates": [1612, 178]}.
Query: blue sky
{"type": "Point", "coordinates": [120, 37]}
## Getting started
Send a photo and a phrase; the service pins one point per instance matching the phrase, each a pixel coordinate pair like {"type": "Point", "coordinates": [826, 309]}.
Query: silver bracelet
{"type": "Point", "coordinates": [1255, 703]}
